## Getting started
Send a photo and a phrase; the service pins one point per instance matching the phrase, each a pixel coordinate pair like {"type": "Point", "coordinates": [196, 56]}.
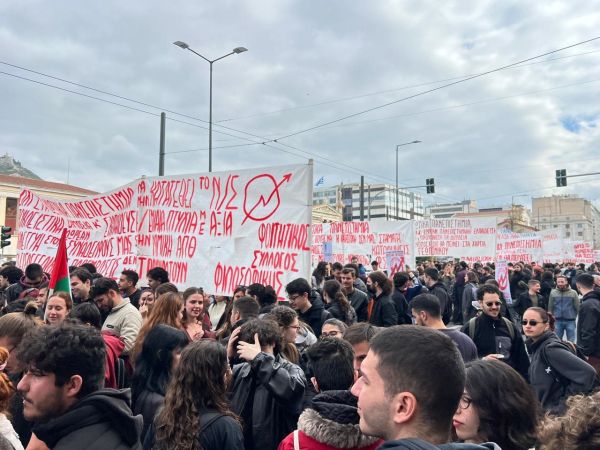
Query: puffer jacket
{"type": "Point", "coordinates": [267, 394]}
{"type": "Point", "coordinates": [564, 304]}
{"type": "Point", "coordinates": [550, 356]}
{"type": "Point", "coordinates": [331, 423]}
{"type": "Point", "coordinates": [101, 420]}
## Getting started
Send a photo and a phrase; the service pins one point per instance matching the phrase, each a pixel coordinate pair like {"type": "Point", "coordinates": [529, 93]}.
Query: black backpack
{"type": "Point", "coordinates": [576, 350]}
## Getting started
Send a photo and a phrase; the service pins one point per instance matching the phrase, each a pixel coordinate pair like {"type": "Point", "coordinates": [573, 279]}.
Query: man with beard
{"type": "Point", "coordinates": [124, 320]}
{"type": "Point", "coordinates": [382, 310]}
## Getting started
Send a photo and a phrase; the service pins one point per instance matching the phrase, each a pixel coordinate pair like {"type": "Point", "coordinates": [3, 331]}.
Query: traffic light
{"type": "Point", "coordinates": [5, 236]}
{"type": "Point", "coordinates": [561, 178]}
{"type": "Point", "coordinates": [430, 185]}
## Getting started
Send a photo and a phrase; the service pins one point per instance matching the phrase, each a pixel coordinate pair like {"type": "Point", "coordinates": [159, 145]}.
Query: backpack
{"type": "Point", "coordinates": [508, 323]}
{"type": "Point", "coordinates": [576, 350]}
{"type": "Point", "coordinates": [123, 381]}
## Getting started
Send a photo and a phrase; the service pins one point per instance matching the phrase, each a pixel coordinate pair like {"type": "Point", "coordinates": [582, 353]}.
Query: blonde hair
{"type": "Point", "coordinates": [7, 389]}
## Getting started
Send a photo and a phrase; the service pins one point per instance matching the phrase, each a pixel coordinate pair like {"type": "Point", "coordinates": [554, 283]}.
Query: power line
{"type": "Point", "coordinates": [534, 190]}
{"type": "Point", "coordinates": [392, 90]}
{"type": "Point", "coordinates": [428, 91]}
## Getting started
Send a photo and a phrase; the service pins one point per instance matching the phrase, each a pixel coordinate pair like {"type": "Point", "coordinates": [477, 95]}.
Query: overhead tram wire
{"type": "Point", "coordinates": [427, 92]}
{"type": "Point", "coordinates": [393, 90]}
{"type": "Point", "coordinates": [175, 120]}
{"type": "Point", "coordinates": [534, 190]}
{"type": "Point", "coordinates": [231, 129]}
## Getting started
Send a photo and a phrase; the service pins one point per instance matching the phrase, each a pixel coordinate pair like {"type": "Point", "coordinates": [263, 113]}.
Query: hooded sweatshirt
{"type": "Point", "coordinates": [417, 444]}
{"type": "Point", "coordinates": [101, 420]}
{"type": "Point", "coordinates": [14, 290]}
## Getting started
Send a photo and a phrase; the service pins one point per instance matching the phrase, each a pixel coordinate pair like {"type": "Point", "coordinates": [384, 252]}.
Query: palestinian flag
{"type": "Point", "coordinates": [60, 280]}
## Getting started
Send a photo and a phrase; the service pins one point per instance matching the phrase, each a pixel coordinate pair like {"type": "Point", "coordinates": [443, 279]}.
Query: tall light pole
{"type": "Point", "coordinates": [400, 145]}
{"type": "Point", "coordinates": [236, 50]}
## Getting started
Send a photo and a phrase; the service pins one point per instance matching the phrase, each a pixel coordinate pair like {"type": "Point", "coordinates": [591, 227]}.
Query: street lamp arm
{"type": "Point", "coordinates": [380, 192]}
{"type": "Point", "coordinates": [194, 51]}
{"type": "Point", "coordinates": [225, 56]}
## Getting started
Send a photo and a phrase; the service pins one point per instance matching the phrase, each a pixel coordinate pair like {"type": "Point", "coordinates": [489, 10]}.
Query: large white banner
{"type": "Point", "coordinates": [513, 247]}
{"type": "Point", "coordinates": [367, 241]}
{"type": "Point", "coordinates": [470, 240]}
{"type": "Point", "coordinates": [216, 230]}
{"type": "Point", "coordinates": [579, 252]}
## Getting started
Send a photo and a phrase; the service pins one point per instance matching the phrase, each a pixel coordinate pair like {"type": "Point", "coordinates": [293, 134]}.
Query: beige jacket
{"type": "Point", "coordinates": [124, 321]}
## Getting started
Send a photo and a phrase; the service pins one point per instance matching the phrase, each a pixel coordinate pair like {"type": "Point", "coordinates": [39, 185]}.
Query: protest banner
{"type": "Point", "coordinates": [395, 262]}
{"type": "Point", "coordinates": [471, 240]}
{"type": "Point", "coordinates": [552, 245]}
{"type": "Point", "coordinates": [503, 279]}
{"type": "Point", "coordinates": [216, 230]}
{"type": "Point", "coordinates": [526, 247]}
{"type": "Point", "coordinates": [596, 256]}
{"type": "Point", "coordinates": [578, 252]}
{"type": "Point", "coordinates": [367, 241]}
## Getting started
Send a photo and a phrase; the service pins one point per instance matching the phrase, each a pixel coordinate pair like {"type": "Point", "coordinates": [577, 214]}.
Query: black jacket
{"type": "Point", "coordinates": [550, 356]}
{"type": "Point", "coordinates": [266, 309]}
{"type": "Point", "coordinates": [315, 315]}
{"type": "Point", "coordinates": [384, 312]}
{"type": "Point", "coordinates": [523, 303]}
{"type": "Point", "coordinates": [217, 431]}
{"type": "Point", "coordinates": [20, 424]}
{"type": "Point", "coordinates": [493, 337]}
{"type": "Point", "coordinates": [336, 312]}
{"type": "Point", "coordinates": [588, 333]}
{"type": "Point", "coordinates": [516, 277]}
{"type": "Point", "coordinates": [439, 290]}
{"type": "Point", "coordinates": [417, 444]}
{"type": "Point", "coordinates": [402, 311]}
{"type": "Point", "coordinates": [101, 420]}
{"type": "Point", "coordinates": [146, 404]}
{"type": "Point", "coordinates": [267, 394]}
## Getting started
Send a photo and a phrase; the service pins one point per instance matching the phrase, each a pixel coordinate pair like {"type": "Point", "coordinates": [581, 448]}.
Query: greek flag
{"type": "Point", "coordinates": [320, 182]}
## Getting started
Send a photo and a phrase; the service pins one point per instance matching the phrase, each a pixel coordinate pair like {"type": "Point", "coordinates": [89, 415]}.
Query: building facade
{"type": "Point", "coordinates": [379, 201]}
{"type": "Point", "coordinates": [10, 189]}
{"type": "Point", "coordinates": [447, 210]}
{"type": "Point", "coordinates": [578, 218]}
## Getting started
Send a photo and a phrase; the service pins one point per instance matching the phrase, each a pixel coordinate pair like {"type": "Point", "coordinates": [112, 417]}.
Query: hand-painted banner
{"type": "Point", "coordinates": [578, 252]}
{"type": "Point", "coordinates": [216, 230]}
{"type": "Point", "coordinates": [502, 278]}
{"type": "Point", "coordinates": [552, 244]}
{"type": "Point", "coordinates": [367, 241]}
{"type": "Point", "coordinates": [513, 247]}
{"type": "Point", "coordinates": [471, 240]}
{"type": "Point", "coordinates": [395, 262]}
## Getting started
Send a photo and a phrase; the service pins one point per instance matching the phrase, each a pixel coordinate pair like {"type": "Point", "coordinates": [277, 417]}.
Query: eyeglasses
{"type": "Point", "coordinates": [297, 328]}
{"type": "Point", "coordinates": [465, 402]}
{"type": "Point", "coordinates": [241, 287]}
{"type": "Point", "coordinates": [533, 323]}
{"type": "Point", "coordinates": [324, 334]}
{"type": "Point", "coordinates": [489, 304]}
{"type": "Point", "coordinates": [292, 298]}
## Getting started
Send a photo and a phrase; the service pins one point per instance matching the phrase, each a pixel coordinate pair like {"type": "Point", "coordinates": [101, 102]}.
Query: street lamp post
{"type": "Point", "coordinates": [400, 145]}
{"type": "Point", "coordinates": [236, 50]}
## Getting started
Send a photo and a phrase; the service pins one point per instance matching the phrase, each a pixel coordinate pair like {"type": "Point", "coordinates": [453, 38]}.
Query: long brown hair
{"type": "Point", "coordinates": [187, 294]}
{"type": "Point", "coordinates": [198, 382]}
{"type": "Point", "coordinates": [166, 310]}
{"type": "Point", "coordinates": [285, 316]}
{"type": "Point", "coordinates": [334, 291]}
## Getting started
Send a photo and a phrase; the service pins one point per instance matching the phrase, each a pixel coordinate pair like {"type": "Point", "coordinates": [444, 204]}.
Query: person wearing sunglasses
{"type": "Point", "coordinates": [495, 336]}
{"type": "Point", "coordinates": [556, 372]}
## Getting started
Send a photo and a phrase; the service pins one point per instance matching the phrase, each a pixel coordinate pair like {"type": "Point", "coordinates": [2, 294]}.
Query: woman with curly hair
{"type": "Point", "coordinates": [196, 414]}
{"type": "Point", "coordinates": [577, 429]}
{"type": "Point", "coordinates": [168, 310]}
{"type": "Point", "coordinates": [497, 406]}
{"type": "Point", "coordinates": [7, 392]}
{"type": "Point", "coordinates": [337, 303]}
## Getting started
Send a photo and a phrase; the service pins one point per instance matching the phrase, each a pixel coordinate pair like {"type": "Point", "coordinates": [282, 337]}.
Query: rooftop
{"type": "Point", "coordinates": [40, 184]}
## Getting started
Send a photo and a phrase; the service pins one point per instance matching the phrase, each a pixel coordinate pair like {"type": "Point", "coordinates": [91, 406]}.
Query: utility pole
{"type": "Point", "coordinates": [161, 151]}
{"type": "Point", "coordinates": [362, 198]}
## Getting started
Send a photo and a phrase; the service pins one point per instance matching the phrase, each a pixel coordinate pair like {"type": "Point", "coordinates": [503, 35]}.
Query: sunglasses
{"type": "Point", "coordinates": [490, 304]}
{"type": "Point", "coordinates": [533, 323]}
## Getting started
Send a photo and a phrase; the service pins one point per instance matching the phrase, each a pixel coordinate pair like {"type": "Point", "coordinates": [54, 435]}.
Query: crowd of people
{"type": "Point", "coordinates": [432, 357]}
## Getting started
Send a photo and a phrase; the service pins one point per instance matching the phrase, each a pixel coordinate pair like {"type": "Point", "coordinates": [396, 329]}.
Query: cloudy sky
{"type": "Point", "coordinates": [309, 63]}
